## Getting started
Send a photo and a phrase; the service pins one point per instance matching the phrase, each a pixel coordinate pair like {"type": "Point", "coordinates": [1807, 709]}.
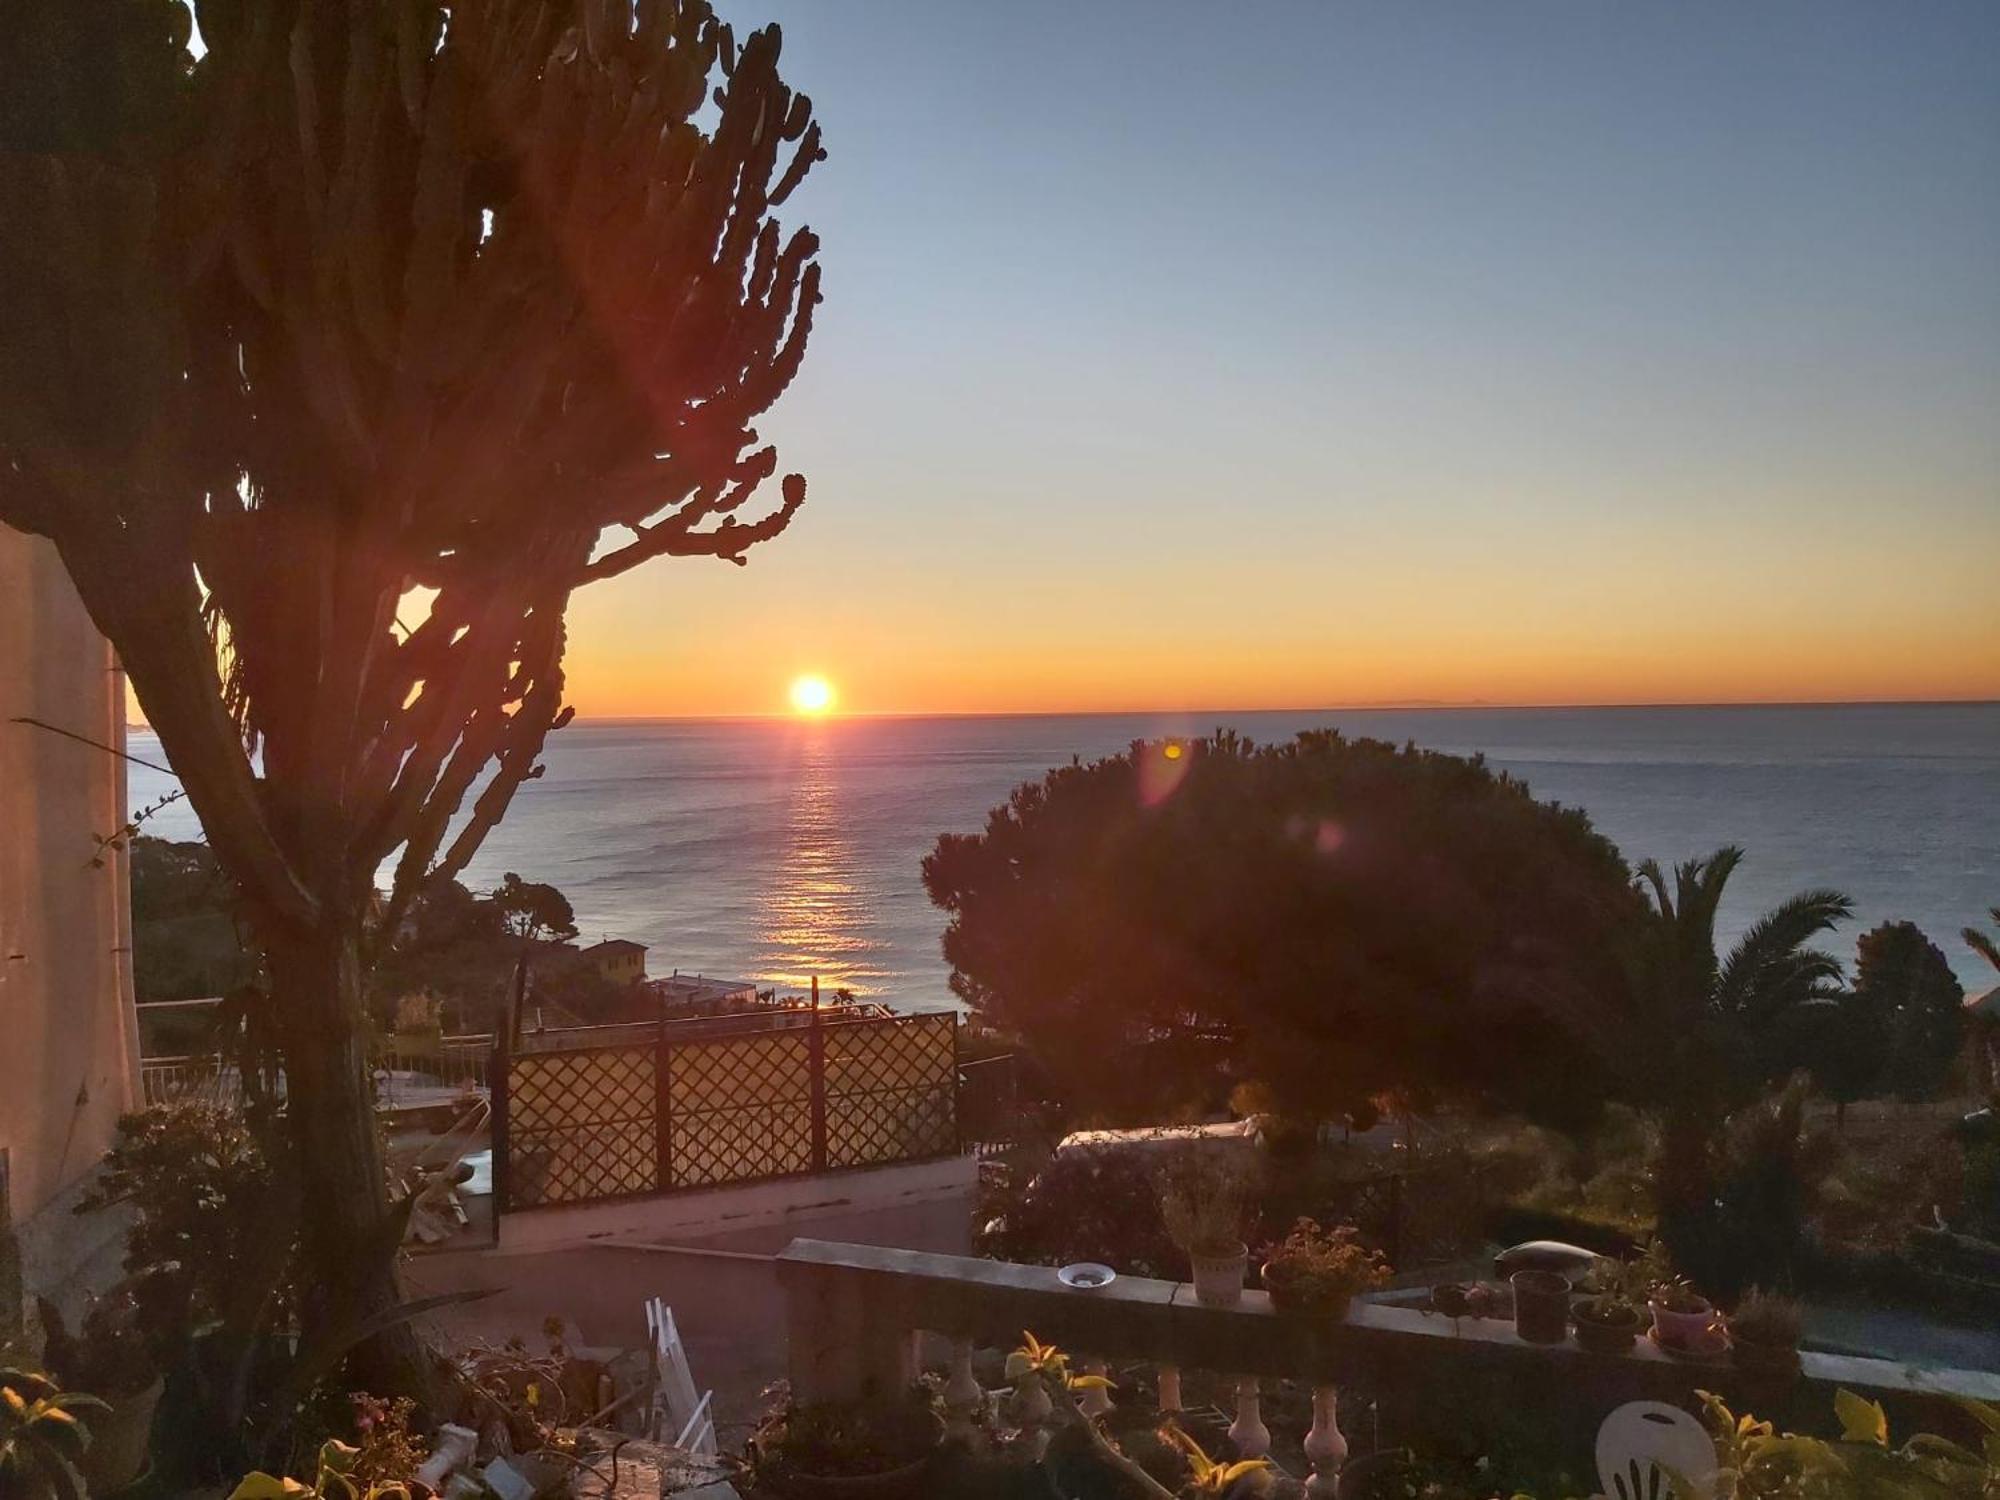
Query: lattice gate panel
{"type": "Point", "coordinates": [741, 1108]}
{"type": "Point", "coordinates": [581, 1125]}
{"type": "Point", "coordinates": [891, 1090]}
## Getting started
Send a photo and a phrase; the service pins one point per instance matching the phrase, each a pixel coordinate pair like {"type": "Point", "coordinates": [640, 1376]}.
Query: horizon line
{"type": "Point", "coordinates": [1381, 705]}
{"type": "Point", "coordinates": [1385, 705]}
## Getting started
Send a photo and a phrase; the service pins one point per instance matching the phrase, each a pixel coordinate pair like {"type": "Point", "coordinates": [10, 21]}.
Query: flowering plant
{"type": "Point", "coordinates": [1313, 1269]}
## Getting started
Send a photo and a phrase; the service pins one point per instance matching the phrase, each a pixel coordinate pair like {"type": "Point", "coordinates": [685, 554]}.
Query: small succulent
{"type": "Point", "coordinates": [1045, 1362]}
{"type": "Point", "coordinates": [1207, 1476]}
{"type": "Point", "coordinates": [42, 1437]}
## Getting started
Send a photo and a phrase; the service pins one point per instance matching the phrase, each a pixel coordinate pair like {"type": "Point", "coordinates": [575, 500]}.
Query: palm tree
{"type": "Point", "coordinates": [1703, 1011]}
{"type": "Point", "coordinates": [1771, 967]}
{"type": "Point", "coordinates": [1985, 1011]}
{"type": "Point", "coordinates": [1982, 942]}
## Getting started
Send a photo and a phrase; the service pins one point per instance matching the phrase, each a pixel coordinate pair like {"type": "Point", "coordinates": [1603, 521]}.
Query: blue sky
{"type": "Point", "coordinates": [1294, 354]}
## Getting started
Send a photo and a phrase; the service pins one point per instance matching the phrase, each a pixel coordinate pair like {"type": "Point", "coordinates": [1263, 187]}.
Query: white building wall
{"type": "Point", "coordinates": [68, 1033]}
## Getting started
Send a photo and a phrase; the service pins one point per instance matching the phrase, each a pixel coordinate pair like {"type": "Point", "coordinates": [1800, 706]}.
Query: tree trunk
{"type": "Point", "coordinates": [348, 1240]}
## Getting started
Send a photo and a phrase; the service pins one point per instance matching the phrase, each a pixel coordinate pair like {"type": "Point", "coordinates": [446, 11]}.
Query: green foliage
{"type": "Point", "coordinates": [1211, 1478]}
{"type": "Point", "coordinates": [1765, 1318]}
{"type": "Point", "coordinates": [1332, 917]}
{"type": "Point", "coordinates": [186, 942]}
{"type": "Point", "coordinates": [533, 910]}
{"type": "Point", "coordinates": [1315, 1269]}
{"type": "Point", "coordinates": [339, 1477]}
{"type": "Point", "coordinates": [1760, 1463]}
{"type": "Point", "coordinates": [42, 1437]}
{"type": "Point", "coordinates": [463, 950]}
{"type": "Point", "coordinates": [1904, 979]}
{"type": "Point", "coordinates": [1082, 1205]}
{"type": "Point", "coordinates": [214, 1232]}
{"type": "Point", "coordinates": [1768, 1174]}
{"type": "Point", "coordinates": [110, 1353]}
{"type": "Point", "coordinates": [1698, 1021]}
{"type": "Point", "coordinates": [848, 1439]}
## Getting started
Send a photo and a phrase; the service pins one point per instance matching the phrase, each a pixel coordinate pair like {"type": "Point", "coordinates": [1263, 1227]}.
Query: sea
{"type": "Point", "coordinates": [783, 850]}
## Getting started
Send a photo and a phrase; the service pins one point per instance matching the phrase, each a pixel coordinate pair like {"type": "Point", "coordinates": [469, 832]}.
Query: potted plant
{"type": "Point", "coordinates": [1541, 1306]}
{"type": "Point", "coordinates": [109, 1355]}
{"type": "Point", "coordinates": [1208, 1479]}
{"type": "Point", "coordinates": [1683, 1319]}
{"type": "Point", "coordinates": [848, 1450]}
{"type": "Point", "coordinates": [44, 1438]}
{"type": "Point", "coordinates": [1607, 1316]}
{"type": "Point", "coordinates": [1317, 1271]}
{"type": "Point", "coordinates": [1764, 1333]}
{"type": "Point", "coordinates": [1201, 1204]}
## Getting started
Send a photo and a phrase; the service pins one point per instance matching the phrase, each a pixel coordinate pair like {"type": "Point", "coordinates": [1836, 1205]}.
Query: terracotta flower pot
{"type": "Point", "coordinates": [1683, 1330]}
{"type": "Point", "coordinates": [1763, 1359]}
{"type": "Point", "coordinates": [905, 1481]}
{"type": "Point", "coordinates": [1541, 1306]}
{"type": "Point", "coordinates": [1218, 1279]}
{"type": "Point", "coordinates": [1295, 1296]}
{"type": "Point", "coordinates": [1607, 1334]}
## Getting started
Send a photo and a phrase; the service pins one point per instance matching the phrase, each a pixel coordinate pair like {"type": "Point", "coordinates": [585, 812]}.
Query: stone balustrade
{"type": "Point", "coordinates": [854, 1314]}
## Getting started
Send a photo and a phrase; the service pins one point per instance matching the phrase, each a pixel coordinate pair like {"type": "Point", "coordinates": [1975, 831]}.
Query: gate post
{"type": "Point", "coordinates": [663, 1112]}
{"type": "Point", "coordinates": [816, 1069]}
{"type": "Point", "coordinates": [498, 1071]}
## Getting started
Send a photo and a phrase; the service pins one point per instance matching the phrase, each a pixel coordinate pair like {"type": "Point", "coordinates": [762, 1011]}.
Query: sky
{"type": "Point", "coordinates": [1186, 355]}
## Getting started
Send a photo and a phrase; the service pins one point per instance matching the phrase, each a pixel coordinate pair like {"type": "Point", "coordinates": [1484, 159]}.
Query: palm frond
{"type": "Point", "coordinates": [1771, 958]}
{"type": "Point", "coordinates": [1651, 874]}
{"type": "Point", "coordinates": [1982, 944]}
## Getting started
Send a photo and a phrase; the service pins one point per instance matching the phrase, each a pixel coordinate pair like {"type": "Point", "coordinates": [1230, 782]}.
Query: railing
{"type": "Point", "coordinates": [989, 1108]}
{"type": "Point", "coordinates": [454, 1062]}
{"type": "Point", "coordinates": [628, 1118]}
{"type": "Point", "coordinates": [853, 1313]}
{"type": "Point", "coordinates": [175, 1080]}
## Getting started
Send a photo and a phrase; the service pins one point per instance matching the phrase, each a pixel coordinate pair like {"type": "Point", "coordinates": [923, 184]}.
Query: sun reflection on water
{"type": "Point", "coordinates": [815, 914]}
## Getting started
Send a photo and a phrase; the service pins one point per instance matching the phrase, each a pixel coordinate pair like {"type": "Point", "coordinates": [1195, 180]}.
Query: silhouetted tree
{"type": "Point", "coordinates": [533, 910]}
{"type": "Point", "coordinates": [1904, 978]}
{"type": "Point", "coordinates": [332, 363]}
{"type": "Point", "coordinates": [1697, 1018]}
{"type": "Point", "coordinates": [1982, 1021]}
{"type": "Point", "coordinates": [1329, 917]}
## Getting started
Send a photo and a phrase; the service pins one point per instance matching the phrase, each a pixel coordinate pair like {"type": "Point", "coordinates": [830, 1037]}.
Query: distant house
{"type": "Point", "coordinates": [699, 995]}
{"type": "Point", "coordinates": [619, 960]}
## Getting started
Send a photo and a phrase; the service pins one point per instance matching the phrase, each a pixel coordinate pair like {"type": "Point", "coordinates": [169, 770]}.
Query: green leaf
{"type": "Point", "coordinates": [1861, 1420]}
{"type": "Point", "coordinates": [1985, 1413]}
{"type": "Point", "coordinates": [262, 1486]}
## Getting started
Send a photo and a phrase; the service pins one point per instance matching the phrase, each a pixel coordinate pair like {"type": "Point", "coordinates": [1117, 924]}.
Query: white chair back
{"type": "Point", "coordinates": [678, 1412]}
{"type": "Point", "coordinates": [1647, 1450]}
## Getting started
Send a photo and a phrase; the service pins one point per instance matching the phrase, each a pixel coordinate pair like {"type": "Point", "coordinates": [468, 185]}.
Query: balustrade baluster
{"type": "Point", "coordinates": [962, 1394]}
{"type": "Point", "coordinates": [1032, 1409]}
{"type": "Point", "coordinates": [1094, 1401]}
{"type": "Point", "coordinates": [1248, 1432]}
{"type": "Point", "coordinates": [1325, 1445]}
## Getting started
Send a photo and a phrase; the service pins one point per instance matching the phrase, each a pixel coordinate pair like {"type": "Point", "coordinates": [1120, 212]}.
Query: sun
{"type": "Point", "coordinates": [812, 694]}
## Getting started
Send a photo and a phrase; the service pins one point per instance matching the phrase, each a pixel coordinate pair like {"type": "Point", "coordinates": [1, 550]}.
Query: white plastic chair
{"type": "Point", "coordinates": [679, 1415]}
{"type": "Point", "coordinates": [1647, 1450]}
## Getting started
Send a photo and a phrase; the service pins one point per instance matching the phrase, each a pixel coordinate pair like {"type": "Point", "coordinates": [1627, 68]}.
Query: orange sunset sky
{"type": "Point", "coordinates": [1514, 354]}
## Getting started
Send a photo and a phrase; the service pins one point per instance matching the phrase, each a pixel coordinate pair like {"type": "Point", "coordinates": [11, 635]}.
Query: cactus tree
{"type": "Point", "coordinates": [332, 362]}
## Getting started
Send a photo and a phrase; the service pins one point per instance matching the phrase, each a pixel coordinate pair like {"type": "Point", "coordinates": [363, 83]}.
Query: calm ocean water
{"type": "Point", "coordinates": [774, 850]}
